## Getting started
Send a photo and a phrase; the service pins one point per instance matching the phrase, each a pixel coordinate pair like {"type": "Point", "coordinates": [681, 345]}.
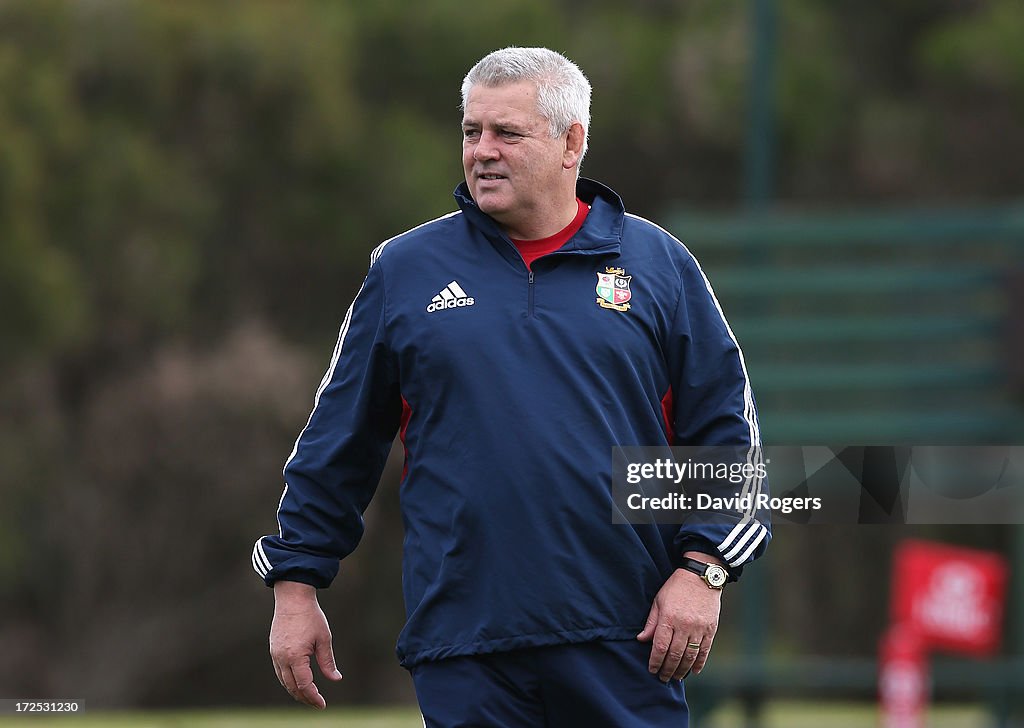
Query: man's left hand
{"type": "Point", "coordinates": [685, 612]}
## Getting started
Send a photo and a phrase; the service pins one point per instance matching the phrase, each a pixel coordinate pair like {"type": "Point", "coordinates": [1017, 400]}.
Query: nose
{"type": "Point", "coordinates": [486, 148]}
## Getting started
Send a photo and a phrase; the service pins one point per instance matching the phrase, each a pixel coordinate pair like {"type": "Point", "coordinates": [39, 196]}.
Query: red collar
{"type": "Point", "coordinates": [533, 249]}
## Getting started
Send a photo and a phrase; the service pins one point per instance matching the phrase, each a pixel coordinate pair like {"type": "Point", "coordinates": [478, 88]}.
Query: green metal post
{"type": "Point", "coordinates": [758, 190]}
{"type": "Point", "coordinates": [760, 147]}
{"type": "Point", "coordinates": [1016, 608]}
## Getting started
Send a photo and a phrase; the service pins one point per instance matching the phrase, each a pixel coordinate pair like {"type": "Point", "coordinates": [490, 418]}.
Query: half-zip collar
{"type": "Point", "coordinates": [601, 233]}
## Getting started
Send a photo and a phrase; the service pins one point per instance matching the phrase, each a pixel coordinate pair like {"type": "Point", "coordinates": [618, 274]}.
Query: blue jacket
{"type": "Point", "coordinates": [509, 390]}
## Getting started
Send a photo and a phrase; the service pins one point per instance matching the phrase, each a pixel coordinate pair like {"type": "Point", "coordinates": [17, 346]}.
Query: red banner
{"type": "Point", "coordinates": [951, 597]}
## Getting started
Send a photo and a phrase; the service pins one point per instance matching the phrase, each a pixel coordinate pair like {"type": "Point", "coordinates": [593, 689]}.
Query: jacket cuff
{"type": "Point", "coordinates": [274, 562]}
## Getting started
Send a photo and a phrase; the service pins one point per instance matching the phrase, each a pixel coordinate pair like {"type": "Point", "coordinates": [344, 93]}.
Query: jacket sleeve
{"type": "Point", "coordinates": [339, 456]}
{"type": "Point", "coordinates": [712, 405]}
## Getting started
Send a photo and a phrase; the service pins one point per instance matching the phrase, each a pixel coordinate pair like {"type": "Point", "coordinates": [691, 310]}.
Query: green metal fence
{"type": "Point", "coordinates": [872, 328]}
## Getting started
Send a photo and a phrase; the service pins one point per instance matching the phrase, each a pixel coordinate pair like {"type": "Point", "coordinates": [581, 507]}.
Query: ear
{"type": "Point", "coordinates": [573, 145]}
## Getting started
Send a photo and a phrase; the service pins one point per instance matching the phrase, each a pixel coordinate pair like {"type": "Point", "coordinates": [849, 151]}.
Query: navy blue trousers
{"type": "Point", "coordinates": [594, 684]}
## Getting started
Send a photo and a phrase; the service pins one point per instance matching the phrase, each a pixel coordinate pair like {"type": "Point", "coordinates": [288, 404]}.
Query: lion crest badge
{"type": "Point", "coordinates": [613, 289]}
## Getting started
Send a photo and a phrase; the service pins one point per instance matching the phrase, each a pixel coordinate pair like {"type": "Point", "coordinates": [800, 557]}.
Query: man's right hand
{"type": "Point", "coordinates": [300, 631]}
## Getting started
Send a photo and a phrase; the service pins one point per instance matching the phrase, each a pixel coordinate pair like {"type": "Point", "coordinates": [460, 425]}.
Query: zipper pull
{"type": "Point", "coordinates": [531, 277]}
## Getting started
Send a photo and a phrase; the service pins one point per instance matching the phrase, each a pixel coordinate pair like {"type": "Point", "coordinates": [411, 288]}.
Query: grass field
{"type": "Point", "coordinates": [784, 714]}
{"type": "Point", "coordinates": [333, 717]}
{"type": "Point", "coordinates": [777, 715]}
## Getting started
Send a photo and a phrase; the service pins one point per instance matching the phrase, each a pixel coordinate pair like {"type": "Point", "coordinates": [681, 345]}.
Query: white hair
{"type": "Point", "coordinates": [563, 92]}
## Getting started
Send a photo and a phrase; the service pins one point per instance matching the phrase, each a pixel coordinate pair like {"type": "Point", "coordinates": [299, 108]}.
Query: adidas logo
{"type": "Point", "coordinates": [451, 296]}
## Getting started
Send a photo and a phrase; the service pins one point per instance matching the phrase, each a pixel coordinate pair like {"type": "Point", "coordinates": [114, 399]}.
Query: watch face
{"type": "Point", "coordinates": [716, 576]}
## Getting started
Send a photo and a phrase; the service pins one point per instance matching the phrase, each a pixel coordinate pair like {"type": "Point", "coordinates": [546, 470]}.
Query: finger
{"type": "Point", "coordinates": [690, 657]}
{"type": "Point", "coordinates": [284, 674]}
{"type": "Point", "coordinates": [660, 646]}
{"type": "Point", "coordinates": [304, 685]}
{"type": "Point", "coordinates": [702, 658]}
{"type": "Point", "coordinates": [325, 659]}
{"type": "Point", "coordinates": [679, 656]}
{"type": "Point", "coordinates": [647, 633]}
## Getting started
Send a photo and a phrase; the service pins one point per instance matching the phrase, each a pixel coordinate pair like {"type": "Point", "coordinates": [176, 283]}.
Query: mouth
{"type": "Point", "coordinates": [490, 177]}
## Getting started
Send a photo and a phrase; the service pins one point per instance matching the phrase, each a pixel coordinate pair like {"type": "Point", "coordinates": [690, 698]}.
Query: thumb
{"type": "Point", "coordinates": [325, 659]}
{"type": "Point", "coordinates": [647, 633]}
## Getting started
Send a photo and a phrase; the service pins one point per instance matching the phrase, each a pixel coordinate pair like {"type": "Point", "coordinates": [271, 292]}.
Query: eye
{"type": "Point", "coordinates": [510, 134]}
{"type": "Point", "coordinates": [470, 133]}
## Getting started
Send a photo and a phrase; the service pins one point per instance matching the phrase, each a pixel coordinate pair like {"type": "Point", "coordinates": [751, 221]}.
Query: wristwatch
{"type": "Point", "coordinates": [713, 575]}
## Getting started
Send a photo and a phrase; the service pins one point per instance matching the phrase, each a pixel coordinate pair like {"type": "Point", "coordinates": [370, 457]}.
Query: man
{"type": "Point", "coordinates": [478, 337]}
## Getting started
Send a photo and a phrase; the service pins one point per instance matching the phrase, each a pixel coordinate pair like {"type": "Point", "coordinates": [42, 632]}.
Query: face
{"type": "Point", "coordinates": [516, 172]}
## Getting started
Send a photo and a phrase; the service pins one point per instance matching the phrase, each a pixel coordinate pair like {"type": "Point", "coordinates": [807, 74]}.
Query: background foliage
{"type": "Point", "coordinates": [188, 195]}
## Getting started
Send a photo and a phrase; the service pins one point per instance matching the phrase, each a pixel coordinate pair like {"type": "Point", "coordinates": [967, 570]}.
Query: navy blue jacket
{"type": "Point", "coordinates": [509, 390]}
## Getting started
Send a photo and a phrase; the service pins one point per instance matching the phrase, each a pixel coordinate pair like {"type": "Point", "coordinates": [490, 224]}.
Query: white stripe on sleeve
{"type": "Point", "coordinates": [750, 549]}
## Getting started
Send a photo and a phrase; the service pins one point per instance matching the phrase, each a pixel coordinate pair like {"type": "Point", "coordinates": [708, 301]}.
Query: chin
{"type": "Point", "coordinates": [490, 205]}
